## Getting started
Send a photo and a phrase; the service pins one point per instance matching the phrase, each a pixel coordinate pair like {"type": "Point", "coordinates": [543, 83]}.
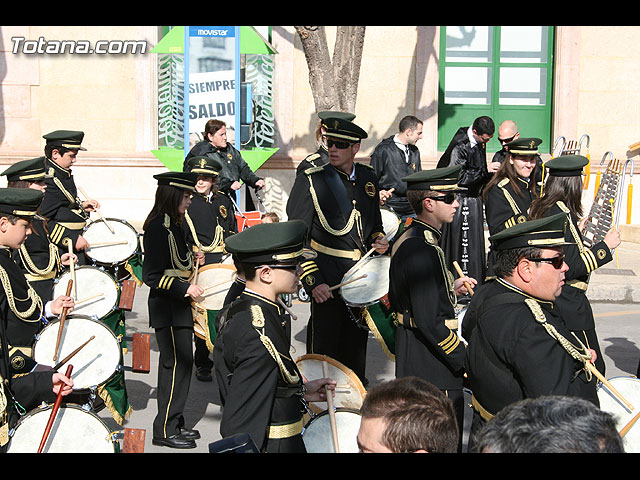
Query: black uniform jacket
{"type": "Point", "coordinates": [511, 356]}
{"type": "Point", "coordinates": [317, 159]}
{"type": "Point", "coordinates": [234, 166]}
{"type": "Point", "coordinates": [61, 206]}
{"type": "Point", "coordinates": [390, 165]}
{"type": "Point", "coordinates": [213, 219]}
{"type": "Point", "coordinates": [421, 289]}
{"type": "Point", "coordinates": [167, 282]}
{"type": "Point", "coordinates": [253, 390]}
{"type": "Point", "coordinates": [323, 197]}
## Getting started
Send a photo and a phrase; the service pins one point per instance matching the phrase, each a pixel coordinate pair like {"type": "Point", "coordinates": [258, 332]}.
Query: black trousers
{"type": "Point", "coordinates": [457, 398]}
{"type": "Point", "coordinates": [174, 378]}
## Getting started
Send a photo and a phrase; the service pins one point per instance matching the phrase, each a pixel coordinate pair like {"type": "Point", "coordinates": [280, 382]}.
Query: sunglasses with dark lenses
{"type": "Point", "coordinates": [449, 198]}
{"type": "Point", "coordinates": [339, 144]}
{"type": "Point", "coordinates": [506, 140]}
{"type": "Point", "coordinates": [557, 262]}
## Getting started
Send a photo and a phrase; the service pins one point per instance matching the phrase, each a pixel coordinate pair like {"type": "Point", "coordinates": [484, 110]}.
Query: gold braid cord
{"type": "Point", "coordinates": [574, 232]}
{"type": "Point", "coordinates": [36, 301]}
{"type": "Point", "coordinates": [217, 239]}
{"type": "Point", "coordinates": [355, 217]}
{"type": "Point", "coordinates": [580, 354]}
{"type": "Point", "coordinates": [258, 323]}
{"type": "Point", "coordinates": [54, 257]}
{"type": "Point", "coordinates": [177, 262]}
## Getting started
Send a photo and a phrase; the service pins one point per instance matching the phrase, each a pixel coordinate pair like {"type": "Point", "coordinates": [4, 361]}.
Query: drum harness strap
{"type": "Point", "coordinates": [73, 201]}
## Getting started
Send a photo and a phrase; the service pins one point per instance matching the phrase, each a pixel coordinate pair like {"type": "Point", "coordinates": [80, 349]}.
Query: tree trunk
{"type": "Point", "coordinates": [334, 81]}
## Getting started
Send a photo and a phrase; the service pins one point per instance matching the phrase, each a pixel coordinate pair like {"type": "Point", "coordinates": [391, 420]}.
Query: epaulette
{"type": "Point", "coordinates": [503, 182]}
{"type": "Point", "coordinates": [430, 238]}
{"type": "Point", "coordinates": [312, 170]}
{"type": "Point", "coordinates": [312, 157]}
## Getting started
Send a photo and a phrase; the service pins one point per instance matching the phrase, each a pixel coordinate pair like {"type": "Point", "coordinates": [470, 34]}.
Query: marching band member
{"type": "Point", "coordinates": [339, 203]}
{"type": "Point", "coordinates": [167, 267]}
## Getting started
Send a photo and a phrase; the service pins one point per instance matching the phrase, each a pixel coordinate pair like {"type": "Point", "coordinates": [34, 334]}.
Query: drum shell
{"type": "Point", "coordinates": [318, 438]}
{"type": "Point", "coordinates": [218, 277]}
{"type": "Point", "coordinates": [75, 430]}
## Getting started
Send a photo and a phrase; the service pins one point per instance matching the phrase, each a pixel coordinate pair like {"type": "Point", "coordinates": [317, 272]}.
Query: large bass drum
{"type": "Point", "coordinates": [75, 430]}
{"type": "Point", "coordinates": [629, 388]}
{"type": "Point", "coordinates": [318, 437]}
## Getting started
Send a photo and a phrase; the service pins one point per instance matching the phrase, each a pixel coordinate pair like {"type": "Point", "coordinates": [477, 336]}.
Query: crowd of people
{"type": "Point", "coordinates": [527, 350]}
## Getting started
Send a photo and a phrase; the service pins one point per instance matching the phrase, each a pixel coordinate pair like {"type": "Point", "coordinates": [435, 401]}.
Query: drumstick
{"type": "Point", "coordinates": [606, 383]}
{"type": "Point", "coordinates": [72, 270]}
{"type": "Point", "coordinates": [347, 282]}
{"type": "Point", "coordinates": [90, 298]}
{"type": "Point", "coordinates": [332, 413]}
{"type": "Point", "coordinates": [284, 305]}
{"type": "Point", "coordinates": [210, 287]}
{"type": "Point", "coordinates": [71, 355]}
{"type": "Point", "coordinates": [628, 426]}
{"type": "Point", "coordinates": [63, 318]}
{"type": "Point", "coordinates": [54, 412]}
{"type": "Point", "coordinates": [366, 255]}
{"type": "Point", "coordinates": [466, 284]}
{"type": "Point", "coordinates": [97, 211]}
{"type": "Point", "coordinates": [108, 244]}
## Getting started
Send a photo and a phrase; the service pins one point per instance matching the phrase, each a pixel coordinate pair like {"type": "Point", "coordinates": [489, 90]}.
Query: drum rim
{"type": "Point", "coordinates": [339, 365]}
{"type": "Point", "coordinates": [91, 319]}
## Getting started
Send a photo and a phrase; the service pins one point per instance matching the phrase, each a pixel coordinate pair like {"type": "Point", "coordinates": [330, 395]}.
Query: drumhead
{"type": "Point", "coordinates": [629, 388]}
{"type": "Point", "coordinates": [370, 289]}
{"type": "Point", "coordinates": [390, 223]}
{"type": "Point", "coordinates": [318, 437]}
{"type": "Point", "coordinates": [350, 390]}
{"type": "Point", "coordinates": [126, 237]}
{"type": "Point", "coordinates": [95, 364]}
{"type": "Point", "coordinates": [74, 430]}
{"type": "Point", "coordinates": [97, 291]}
{"type": "Point", "coordinates": [216, 279]}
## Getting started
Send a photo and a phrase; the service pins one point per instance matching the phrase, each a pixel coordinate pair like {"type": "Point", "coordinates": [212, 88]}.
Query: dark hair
{"type": "Point", "coordinates": [247, 269]}
{"type": "Point", "coordinates": [167, 201]}
{"type": "Point", "coordinates": [566, 189]}
{"type": "Point", "coordinates": [550, 424]}
{"type": "Point", "coordinates": [484, 125]}
{"type": "Point", "coordinates": [507, 260]}
{"type": "Point", "coordinates": [409, 122]}
{"type": "Point", "coordinates": [507, 170]}
{"type": "Point", "coordinates": [212, 126]}
{"type": "Point", "coordinates": [49, 148]}
{"type": "Point", "coordinates": [417, 415]}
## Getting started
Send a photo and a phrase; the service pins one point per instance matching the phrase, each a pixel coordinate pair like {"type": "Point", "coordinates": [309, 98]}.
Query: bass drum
{"type": "Point", "coordinates": [350, 391]}
{"type": "Point", "coordinates": [95, 364]}
{"type": "Point", "coordinates": [75, 430]}
{"type": "Point", "coordinates": [318, 437]}
{"type": "Point", "coordinates": [629, 388]}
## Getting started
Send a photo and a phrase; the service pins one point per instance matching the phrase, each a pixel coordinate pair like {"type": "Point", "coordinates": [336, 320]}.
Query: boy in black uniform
{"type": "Point", "coordinates": [208, 221]}
{"type": "Point", "coordinates": [519, 346]}
{"type": "Point", "coordinates": [261, 389]}
{"type": "Point", "coordinates": [339, 203]}
{"type": "Point", "coordinates": [423, 292]}
{"type": "Point", "coordinates": [66, 214]}
{"type": "Point", "coordinates": [24, 383]}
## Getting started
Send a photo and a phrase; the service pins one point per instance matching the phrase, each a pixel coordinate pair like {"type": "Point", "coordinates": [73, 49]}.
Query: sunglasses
{"type": "Point", "coordinates": [449, 198]}
{"type": "Point", "coordinates": [339, 144]}
{"type": "Point", "coordinates": [557, 262]}
{"type": "Point", "coordinates": [506, 140]}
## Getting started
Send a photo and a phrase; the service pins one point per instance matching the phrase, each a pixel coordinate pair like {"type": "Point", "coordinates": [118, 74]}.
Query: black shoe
{"type": "Point", "coordinates": [174, 441]}
{"type": "Point", "coordinates": [204, 375]}
{"type": "Point", "coordinates": [189, 434]}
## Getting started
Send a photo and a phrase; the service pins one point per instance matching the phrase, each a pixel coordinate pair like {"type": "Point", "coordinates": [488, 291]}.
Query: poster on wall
{"type": "Point", "coordinates": [212, 95]}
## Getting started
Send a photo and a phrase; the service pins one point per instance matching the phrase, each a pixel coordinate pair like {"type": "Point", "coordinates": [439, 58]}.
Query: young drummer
{"type": "Point", "coordinates": [261, 389]}
{"type": "Point", "coordinates": [38, 257]}
{"type": "Point", "coordinates": [208, 221]}
{"type": "Point", "coordinates": [167, 267]}
{"type": "Point", "coordinates": [23, 383]}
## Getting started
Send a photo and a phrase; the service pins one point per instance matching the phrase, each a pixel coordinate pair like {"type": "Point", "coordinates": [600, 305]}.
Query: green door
{"type": "Point", "coordinates": [504, 72]}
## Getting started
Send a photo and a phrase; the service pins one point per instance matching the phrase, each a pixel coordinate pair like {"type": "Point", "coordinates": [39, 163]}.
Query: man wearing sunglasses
{"type": "Point", "coordinates": [423, 293]}
{"type": "Point", "coordinates": [519, 346]}
{"type": "Point", "coordinates": [339, 203]}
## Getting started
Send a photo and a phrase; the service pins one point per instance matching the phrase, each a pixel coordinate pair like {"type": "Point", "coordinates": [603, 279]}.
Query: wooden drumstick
{"type": "Point", "coordinates": [606, 383]}
{"type": "Point", "coordinates": [628, 426]}
{"type": "Point", "coordinates": [63, 318]}
{"type": "Point", "coordinates": [72, 270]}
{"type": "Point", "coordinates": [347, 282]}
{"type": "Point", "coordinates": [54, 412]}
{"type": "Point", "coordinates": [332, 413]}
{"type": "Point", "coordinates": [461, 273]}
{"type": "Point", "coordinates": [288, 310]}
{"type": "Point", "coordinates": [108, 244]}
{"type": "Point", "coordinates": [97, 211]}
{"type": "Point", "coordinates": [86, 299]}
{"type": "Point", "coordinates": [71, 355]}
{"type": "Point", "coordinates": [366, 255]}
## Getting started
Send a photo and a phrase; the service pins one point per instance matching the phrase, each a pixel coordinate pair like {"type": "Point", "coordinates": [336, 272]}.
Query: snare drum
{"type": "Point", "coordinates": [350, 391]}
{"type": "Point", "coordinates": [110, 248]}
{"type": "Point", "coordinates": [95, 364]}
{"type": "Point", "coordinates": [318, 437]}
{"type": "Point", "coordinates": [98, 292]}
{"type": "Point", "coordinates": [369, 290]}
{"type": "Point", "coordinates": [75, 430]}
{"type": "Point", "coordinates": [390, 223]}
{"type": "Point", "coordinates": [216, 279]}
{"type": "Point", "coordinates": [629, 388]}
